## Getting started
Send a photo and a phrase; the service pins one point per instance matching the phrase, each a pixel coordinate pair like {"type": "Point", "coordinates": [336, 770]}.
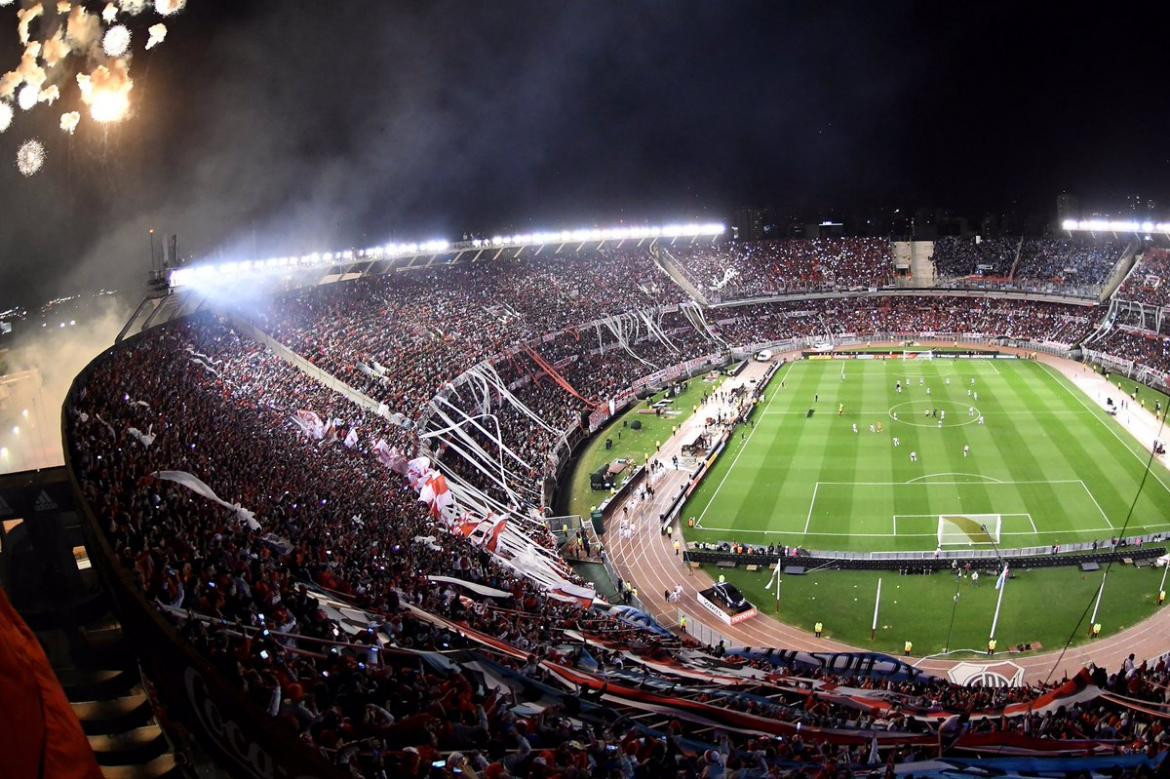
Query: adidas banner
{"type": "Point", "coordinates": [27, 500]}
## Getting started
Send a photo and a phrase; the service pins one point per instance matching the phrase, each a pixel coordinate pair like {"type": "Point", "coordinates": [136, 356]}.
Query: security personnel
{"type": "Point", "coordinates": [819, 628]}
{"type": "Point", "coordinates": [1161, 597]}
{"type": "Point", "coordinates": [682, 623]}
{"type": "Point", "coordinates": [908, 647]}
{"type": "Point", "coordinates": [1096, 630]}
{"type": "Point", "coordinates": [991, 646]}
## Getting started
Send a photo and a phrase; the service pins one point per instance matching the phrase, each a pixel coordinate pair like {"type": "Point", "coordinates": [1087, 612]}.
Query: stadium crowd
{"type": "Point", "coordinates": [731, 271]}
{"type": "Point", "coordinates": [960, 257]}
{"type": "Point", "coordinates": [1143, 347]}
{"type": "Point", "coordinates": [1149, 281]}
{"type": "Point", "coordinates": [1068, 261]}
{"type": "Point", "coordinates": [1057, 265]}
{"type": "Point", "coordinates": [337, 524]}
{"type": "Point", "coordinates": [872, 316]}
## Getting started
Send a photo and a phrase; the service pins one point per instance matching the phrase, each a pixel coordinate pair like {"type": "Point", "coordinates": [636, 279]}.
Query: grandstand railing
{"type": "Point", "coordinates": [701, 632]}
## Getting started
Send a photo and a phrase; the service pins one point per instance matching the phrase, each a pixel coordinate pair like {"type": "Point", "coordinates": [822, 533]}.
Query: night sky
{"type": "Point", "coordinates": [260, 128]}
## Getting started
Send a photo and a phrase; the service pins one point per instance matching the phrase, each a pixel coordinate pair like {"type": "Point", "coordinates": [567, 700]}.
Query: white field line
{"type": "Point", "coordinates": [944, 483]}
{"type": "Point", "coordinates": [908, 535]}
{"type": "Point", "coordinates": [1098, 505]}
{"type": "Point", "coordinates": [1060, 379]}
{"type": "Point", "coordinates": [959, 514]}
{"type": "Point", "coordinates": [811, 503]}
{"type": "Point", "coordinates": [743, 447]}
{"type": "Point", "coordinates": [955, 473]}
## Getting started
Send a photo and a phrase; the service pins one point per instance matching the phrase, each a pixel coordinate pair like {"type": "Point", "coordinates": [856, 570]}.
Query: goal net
{"type": "Point", "coordinates": [909, 355]}
{"type": "Point", "coordinates": [968, 529]}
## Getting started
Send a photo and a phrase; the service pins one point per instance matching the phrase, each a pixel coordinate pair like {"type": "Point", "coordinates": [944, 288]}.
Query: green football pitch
{"type": "Point", "coordinates": [1009, 451]}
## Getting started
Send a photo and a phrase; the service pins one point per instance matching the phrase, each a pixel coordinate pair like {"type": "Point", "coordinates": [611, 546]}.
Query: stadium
{"type": "Point", "coordinates": [627, 390]}
{"type": "Point", "coordinates": [533, 464]}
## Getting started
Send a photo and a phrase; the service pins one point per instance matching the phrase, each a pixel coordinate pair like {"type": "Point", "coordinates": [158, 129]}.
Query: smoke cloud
{"type": "Point", "coordinates": [40, 369]}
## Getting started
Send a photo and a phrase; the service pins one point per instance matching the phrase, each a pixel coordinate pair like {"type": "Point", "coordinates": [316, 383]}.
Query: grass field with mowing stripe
{"type": "Point", "coordinates": [1040, 606]}
{"type": "Point", "coordinates": [1048, 461]}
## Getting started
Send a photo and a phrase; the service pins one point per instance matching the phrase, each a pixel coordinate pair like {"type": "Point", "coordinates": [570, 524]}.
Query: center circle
{"type": "Point", "coordinates": [916, 416]}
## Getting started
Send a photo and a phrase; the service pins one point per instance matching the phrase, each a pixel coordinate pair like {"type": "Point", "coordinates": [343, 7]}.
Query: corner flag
{"type": "Point", "coordinates": [1002, 578]}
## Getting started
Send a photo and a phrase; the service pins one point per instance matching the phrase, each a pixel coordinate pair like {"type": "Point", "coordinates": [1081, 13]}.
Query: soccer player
{"type": "Point", "coordinates": [898, 387]}
{"type": "Point", "coordinates": [942, 414]}
{"type": "Point", "coordinates": [972, 381]}
{"type": "Point", "coordinates": [981, 419]}
{"type": "Point", "coordinates": [840, 409]}
{"type": "Point", "coordinates": [872, 429]}
{"type": "Point", "coordinates": [854, 427]}
{"type": "Point", "coordinates": [897, 442]}
{"type": "Point", "coordinates": [914, 457]}
{"type": "Point", "coordinates": [975, 395]}
{"type": "Point", "coordinates": [966, 450]}
{"type": "Point", "coordinates": [940, 424]}
{"type": "Point", "coordinates": [921, 381]}
{"type": "Point", "coordinates": [970, 411]}
{"type": "Point", "coordinates": [928, 390]}
{"type": "Point", "coordinates": [948, 381]}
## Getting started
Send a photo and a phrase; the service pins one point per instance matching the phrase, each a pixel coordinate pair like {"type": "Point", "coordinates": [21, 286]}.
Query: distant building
{"type": "Point", "coordinates": [751, 224]}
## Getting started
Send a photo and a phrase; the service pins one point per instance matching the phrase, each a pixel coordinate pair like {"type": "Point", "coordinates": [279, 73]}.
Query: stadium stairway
{"type": "Point", "coordinates": [99, 673]}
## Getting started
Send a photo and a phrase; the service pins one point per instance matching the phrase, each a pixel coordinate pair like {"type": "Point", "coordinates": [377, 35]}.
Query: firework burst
{"type": "Point", "coordinates": [70, 120]}
{"type": "Point", "coordinates": [30, 157]}
{"type": "Point", "coordinates": [116, 41]}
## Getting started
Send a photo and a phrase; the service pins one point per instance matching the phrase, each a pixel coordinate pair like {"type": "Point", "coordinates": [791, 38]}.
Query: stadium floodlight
{"type": "Point", "coordinates": [208, 272]}
{"type": "Point", "coordinates": [1115, 226]}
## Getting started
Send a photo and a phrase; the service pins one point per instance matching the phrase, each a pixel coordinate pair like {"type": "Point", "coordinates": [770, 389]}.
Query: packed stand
{"type": "Point", "coordinates": [733, 270]}
{"type": "Point", "coordinates": [1068, 263]}
{"type": "Point", "coordinates": [432, 324]}
{"type": "Point", "coordinates": [1149, 281]}
{"type": "Point", "coordinates": [957, 258]}
{"type": "Point", "coordinates": [897, 315]}
{"type": "Point", "coordinates": [1142, 347]}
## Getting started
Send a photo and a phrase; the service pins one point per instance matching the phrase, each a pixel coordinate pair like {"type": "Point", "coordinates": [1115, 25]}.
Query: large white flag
{"type": "Point", "coordinates": [200, 487]}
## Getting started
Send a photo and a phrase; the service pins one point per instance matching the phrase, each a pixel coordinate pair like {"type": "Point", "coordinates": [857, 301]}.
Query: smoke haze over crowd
{"type": "Point", "coordinates": [37, 372]}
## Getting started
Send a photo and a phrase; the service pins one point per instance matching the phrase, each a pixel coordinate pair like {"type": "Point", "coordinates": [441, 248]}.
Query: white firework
{"type": "Point", "coordinates": [70, 120]}
{"type": "Point", "coordinates": [116, 41]}
{"type": "Point", "coordinates": [168, 7]}
{"type": "Point", "coordinates": [26, 98]}
{"type": "Point", "coordinates": [5, 116]}
{"type": "Point", "coordinates": [158, 33]}
{"type": "Point", "coordinates": [133, 7]}
{"type": "Point", "coordinates": [30, 157]}
{"type": "Point", "coordinates": [109, 13]}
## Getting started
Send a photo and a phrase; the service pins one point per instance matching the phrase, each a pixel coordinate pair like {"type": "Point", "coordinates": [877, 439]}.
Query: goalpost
{"type": "Point", "coordinates": [969, 529]}
{"type": "Point", "coordinates": [908, 354]}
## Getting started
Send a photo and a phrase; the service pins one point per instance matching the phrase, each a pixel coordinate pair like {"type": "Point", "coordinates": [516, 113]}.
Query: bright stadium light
{"type": "Point", "coordinates": [1115, 226]}
{"type": "Point", "coordinates": [208, 273]}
